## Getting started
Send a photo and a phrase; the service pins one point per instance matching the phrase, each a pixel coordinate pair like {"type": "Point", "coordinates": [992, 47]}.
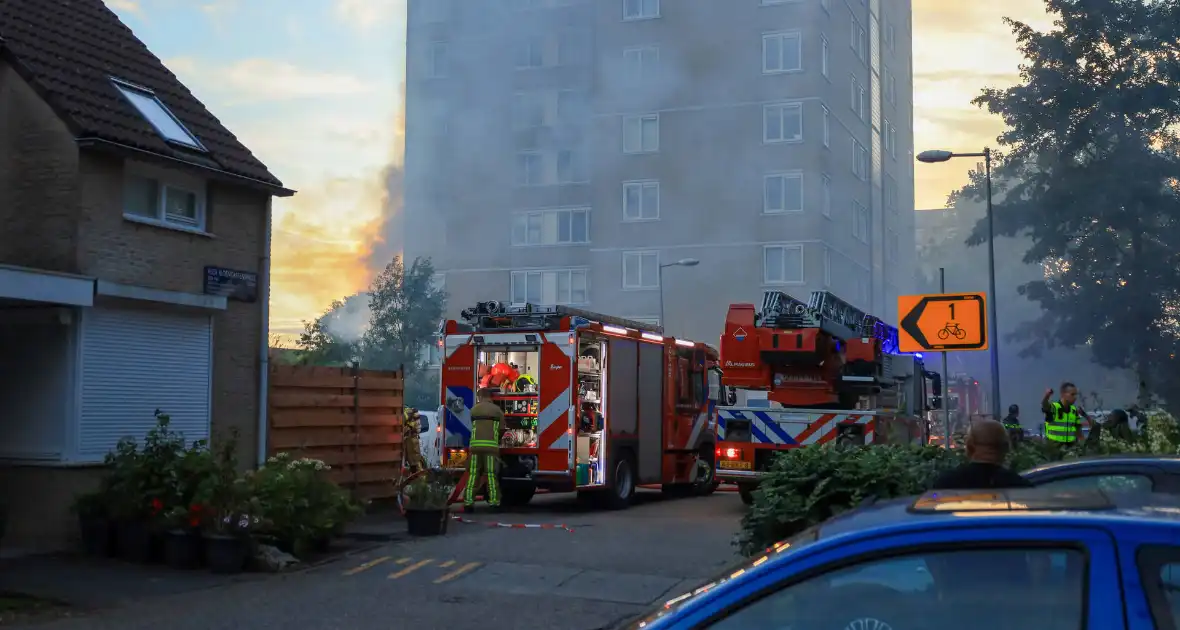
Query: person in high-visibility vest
{"type": "Point", "coordinates": [1012, 424]}
{"type": "Point", "coordinates": [484, 450]}
{"type": "Point", "coordinates": [1063, 418]}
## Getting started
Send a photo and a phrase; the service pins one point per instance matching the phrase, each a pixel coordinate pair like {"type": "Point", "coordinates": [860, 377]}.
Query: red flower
{"type": "Point", "coordinates": [157, 505]}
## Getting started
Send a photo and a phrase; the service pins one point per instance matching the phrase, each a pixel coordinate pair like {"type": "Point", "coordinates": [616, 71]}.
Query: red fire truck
{"type": "Point", "coordinates": [595, 404]}
{"type": "Point", "coordinates": [828, 372]}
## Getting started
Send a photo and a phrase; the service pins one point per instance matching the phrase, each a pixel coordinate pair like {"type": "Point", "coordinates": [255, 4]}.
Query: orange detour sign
{"type": "Point", "coordinates": [942, 322]}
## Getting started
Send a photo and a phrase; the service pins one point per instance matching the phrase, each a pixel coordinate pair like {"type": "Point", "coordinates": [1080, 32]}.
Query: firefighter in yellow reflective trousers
{"type": "Point", "coordinates": [486, 419]}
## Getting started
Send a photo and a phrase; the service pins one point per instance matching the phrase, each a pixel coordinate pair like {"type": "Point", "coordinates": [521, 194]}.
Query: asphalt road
{"type": "Point", "coordinates": [612, 565]}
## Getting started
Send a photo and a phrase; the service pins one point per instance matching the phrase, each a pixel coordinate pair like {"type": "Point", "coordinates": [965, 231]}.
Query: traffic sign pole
{"type": "Point", "coordinates": [946, 381]}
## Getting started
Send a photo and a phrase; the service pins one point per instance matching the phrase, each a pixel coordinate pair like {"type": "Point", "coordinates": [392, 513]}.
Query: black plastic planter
{"type": "Point", "coordinates": [226, 554]}
{"type": "Point", "coordinates": [183, 549]}
{"type": "Point", "coordinates": [98, 535]}
{"type": "Point", "coordinates": [427, 522]}
{"type": "Point", "coordinates": [136, 541]}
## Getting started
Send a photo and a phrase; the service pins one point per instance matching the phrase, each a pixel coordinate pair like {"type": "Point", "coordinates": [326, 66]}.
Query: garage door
{"type": "Point", "coordinates": [134, 362]}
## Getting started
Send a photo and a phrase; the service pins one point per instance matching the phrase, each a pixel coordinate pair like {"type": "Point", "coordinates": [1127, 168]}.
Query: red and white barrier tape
{"type": "Point", "coordinates": [512, 525]}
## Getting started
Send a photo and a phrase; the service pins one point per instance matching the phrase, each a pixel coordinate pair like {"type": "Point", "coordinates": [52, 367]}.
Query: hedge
{"type": "Point", "coordinates": [806, 486]}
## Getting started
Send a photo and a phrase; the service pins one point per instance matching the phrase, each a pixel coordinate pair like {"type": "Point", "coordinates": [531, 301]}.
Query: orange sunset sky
{"type": "Point", "coordinates": [324, 234]}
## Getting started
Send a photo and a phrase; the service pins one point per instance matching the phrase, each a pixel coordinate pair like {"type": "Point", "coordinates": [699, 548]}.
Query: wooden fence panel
{"type": "Point", "coordinates": [349, 418]}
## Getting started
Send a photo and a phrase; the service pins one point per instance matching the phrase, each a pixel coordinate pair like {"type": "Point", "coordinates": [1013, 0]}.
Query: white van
{"type": "Point", "coordinates": [430, 438]}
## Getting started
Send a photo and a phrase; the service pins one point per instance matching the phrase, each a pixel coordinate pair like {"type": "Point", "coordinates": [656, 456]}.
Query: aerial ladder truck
{"type": "Point", "coordinates": [812, 373]}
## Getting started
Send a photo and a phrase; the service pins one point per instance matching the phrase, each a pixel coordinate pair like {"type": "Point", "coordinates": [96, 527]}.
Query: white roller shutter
{"type": "Point", "coordinates": [134, 362]}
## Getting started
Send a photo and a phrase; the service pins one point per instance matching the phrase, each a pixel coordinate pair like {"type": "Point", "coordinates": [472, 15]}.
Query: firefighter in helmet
{"type": "Point", "coordinates": [486, 421]}
{"type": "Point", "coordinates": [1012, 424]}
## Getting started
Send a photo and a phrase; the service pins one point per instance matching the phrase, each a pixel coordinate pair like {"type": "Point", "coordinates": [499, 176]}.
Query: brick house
{"type": "Point", "coordinates": [134, 258]}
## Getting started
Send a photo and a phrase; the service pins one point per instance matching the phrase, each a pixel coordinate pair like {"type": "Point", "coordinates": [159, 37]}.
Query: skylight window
{"type": "Point", "coordinates": [167, 125]}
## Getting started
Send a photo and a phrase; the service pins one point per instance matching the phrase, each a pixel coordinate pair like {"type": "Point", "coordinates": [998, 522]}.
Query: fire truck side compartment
{"type": "Point", "coordinates": [622, 401]}
{"type": "Point", "coordinates": [650, 385]}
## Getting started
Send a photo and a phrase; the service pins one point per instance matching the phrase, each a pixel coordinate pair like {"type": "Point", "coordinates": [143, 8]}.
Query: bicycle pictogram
{"type": "Point", "coordinates": [952, 328]}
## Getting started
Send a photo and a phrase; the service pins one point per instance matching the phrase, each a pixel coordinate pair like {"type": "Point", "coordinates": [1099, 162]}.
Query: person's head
{"type": "Point", "coordinates": [484, 394]}
{"type": "Point", "coordinates": [1069, 393]}
{"type": "Point", "coordinates": [987, 441]}
{"type": "Point", "coordinates": [1014, 410]}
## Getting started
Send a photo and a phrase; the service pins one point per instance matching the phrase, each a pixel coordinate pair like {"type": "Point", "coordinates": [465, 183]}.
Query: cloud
{"type": "Point", "coordinates": [126, 6]}
{"type": "Point", "coordinates": [366, 15]}
{"type": "Point", "coordinates": [260, 79]}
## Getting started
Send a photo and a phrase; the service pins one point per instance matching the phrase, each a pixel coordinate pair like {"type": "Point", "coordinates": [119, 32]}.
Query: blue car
{"type": "Point", "coordinates": [964, 560]}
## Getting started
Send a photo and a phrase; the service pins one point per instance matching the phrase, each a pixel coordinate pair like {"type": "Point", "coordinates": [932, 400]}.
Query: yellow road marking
{"type": "Point", "coordinates": [447, 563]}
{"type": "Point", "coordinates": [457, 572]}
{"type": "Point", "coordinates": [410, 569]}
{"type": "Point", "coordinates": [366, 566]}
{"type": "Point", "coordinates": [402, 560]}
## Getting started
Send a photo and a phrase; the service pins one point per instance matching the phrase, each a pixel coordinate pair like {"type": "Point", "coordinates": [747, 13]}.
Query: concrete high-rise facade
{"type": "Point", "coordinates": [563, 151]}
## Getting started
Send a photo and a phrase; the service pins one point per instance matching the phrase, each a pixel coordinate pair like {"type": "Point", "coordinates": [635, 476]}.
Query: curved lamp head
{"type": "Point", "coordinates": [687, 262]}
{"type": "Point", "coordinates": [935, 155]}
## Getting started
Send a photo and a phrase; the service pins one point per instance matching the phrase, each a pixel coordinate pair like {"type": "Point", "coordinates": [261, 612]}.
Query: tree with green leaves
{"type": "Point", "coordinates": [387, 327]}
{"type": "Point", "coordinates": [1088, 172]}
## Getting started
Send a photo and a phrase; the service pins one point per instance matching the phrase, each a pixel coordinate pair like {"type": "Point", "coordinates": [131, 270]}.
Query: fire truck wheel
{"type": "Point", "coordinates": [516, 493]}
{"type": "Point", "coordinates": [746, 492]}
{"type": "Point", "coordinates": [622, 486]}
{"type": "Point", "coordinates": [707, 479]}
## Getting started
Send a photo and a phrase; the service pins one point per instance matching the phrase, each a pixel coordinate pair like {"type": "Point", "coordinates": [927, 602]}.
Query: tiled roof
{"type": "Point", "coordinates": [69, 50]}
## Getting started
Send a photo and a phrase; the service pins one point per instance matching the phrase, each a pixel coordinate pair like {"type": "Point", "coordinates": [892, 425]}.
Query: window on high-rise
{"type": "Point", "coordinates": [782, 264]}
{"type": "Point", "coordinates": [782, 192]}
{"type": "Point", "coordinates": [860, 160]}
{"type": "Point", "coordinates": [438, 60]}
{"type": "Point", "coordinates": [641, 200]}
{"type": "Point", "coordinates": [641, 63]}
{"type": "Point", "coordinates": [781, 52]}
{"type": "Point", "coordinates": [823, 55]}
{"type": "Point", "coordinates": [860, 222]}
{"type": "Point", "coordinates": [641, 9]}
{"type": "Point", "coordinates": [859, 41]}
{"type": "Point", "coordinates": [782, 122]}
{"type": "Point", "coordinates": [641, 134]}
{"type": "Point", "coordinates": [641, 270]}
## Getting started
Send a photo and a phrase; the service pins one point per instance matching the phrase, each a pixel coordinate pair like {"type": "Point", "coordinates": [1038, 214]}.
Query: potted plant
{"type": "Point", "coordinates": [301, 508]}
{"type": "Point", "coordinates": [228, 513]}
{"type": "Point", "coordinates": [426, 501]}
{"type": "Point", "coordinates": [94, 523]}
{"type": "Point", "coordinates": [182, 540]}
{"type": "Point", "coordinates": [143, 483]}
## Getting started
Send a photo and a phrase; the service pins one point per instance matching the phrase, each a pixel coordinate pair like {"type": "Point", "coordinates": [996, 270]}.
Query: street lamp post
{"type": "Point", "coordinates": [935, 156]}
{"type": "Point", "coordinates": [683, 262]}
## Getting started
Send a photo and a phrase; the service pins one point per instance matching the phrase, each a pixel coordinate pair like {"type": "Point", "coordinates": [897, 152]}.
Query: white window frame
{"type": "Point", "coordinates": [641, 119]}
{"type": "Point", "coordinates": [528, 43]}
{"type": "Point", "coordinates": [641, 185]}
{"type": "Point", "coordinates": [890, 36]}
{"type": "Point", "coordinates": [858, 40]}
{"type": "Point", "coordinates": [526, 215]}
{"type": "Point", "coordinates": [826, 208]}
{"type": "Point", "coordinates": [824, 48]}
{"type": "Point", "coordinates": [861, 230]}
{"type": "Point", "coordinates": [166, 180]}
{"type": "Point", "coordinates": [782, 109]}
{"type": "Point", "coordinates": [637, 256]}
{"type": "Point", "coordinates": [641, 14]}
{"type": "Point", "coordinates": [860, 165]}
{"type": "Point", "coordinates": [541, 172]}
{"type": "Point", "coordinates": [890, 86]}
{"type": "Point", "coordinates": [827, 266]}
{"type": "Point", "coordinates": [827, 114]}
{"type": "Point", "coordinates": [892, 244]}
{"type": "Point", "coordinates": [783, 37]}
{"type": "Point", "coordinates": [889, 131]}
{"type": "Point", "coordinates": [635, 67]}
{"type": "Point", "coordinates": [784, 175]}
{"type": "Point", "coordinates": [858, 98]}
{"type": "Point", "coordinates": [581, 175]}
{"type": "Point", "coordinates": [520, 275]}
{"type": "Point", "coordinates": [438, 55]}
{"type": "Point", "coordinates": [784, 281]}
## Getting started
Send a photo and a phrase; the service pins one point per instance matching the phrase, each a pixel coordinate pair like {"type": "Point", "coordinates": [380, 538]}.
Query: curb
{"type": "Point", "coordinates": [512, 525]}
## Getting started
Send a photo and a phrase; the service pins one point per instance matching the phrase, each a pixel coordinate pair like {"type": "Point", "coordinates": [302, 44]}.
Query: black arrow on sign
{"type": "Point", "coordinates": [910, 323]}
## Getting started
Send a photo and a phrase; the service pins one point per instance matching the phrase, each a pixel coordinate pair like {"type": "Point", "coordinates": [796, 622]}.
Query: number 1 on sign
{"type": "Point", "coordinates": [952, 305]}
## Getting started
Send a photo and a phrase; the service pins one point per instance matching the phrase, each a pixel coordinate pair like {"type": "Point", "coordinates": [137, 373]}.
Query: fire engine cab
{"type": "Point", "coordinates": [809, 373]}
{"type": "Point", "coordinates": [592, 403]}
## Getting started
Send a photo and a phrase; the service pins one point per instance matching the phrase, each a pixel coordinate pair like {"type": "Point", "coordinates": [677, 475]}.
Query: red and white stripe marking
{"type": "Point", "coordinates": [512, 525]}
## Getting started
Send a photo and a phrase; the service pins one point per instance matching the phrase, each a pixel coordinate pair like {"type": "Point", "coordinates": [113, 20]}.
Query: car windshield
{"type": "Point", "coordinates": [732, 572]}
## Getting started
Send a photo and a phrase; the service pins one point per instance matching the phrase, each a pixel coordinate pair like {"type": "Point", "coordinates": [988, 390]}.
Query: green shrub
{"type": "Point", "coordinates": [806, 486]}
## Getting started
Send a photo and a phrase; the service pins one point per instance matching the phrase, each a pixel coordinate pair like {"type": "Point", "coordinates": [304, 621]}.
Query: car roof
{"type": "Point", "coordinates": [1018, 507]}
{"type": "Point", "coordinates": [1106, 460]}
